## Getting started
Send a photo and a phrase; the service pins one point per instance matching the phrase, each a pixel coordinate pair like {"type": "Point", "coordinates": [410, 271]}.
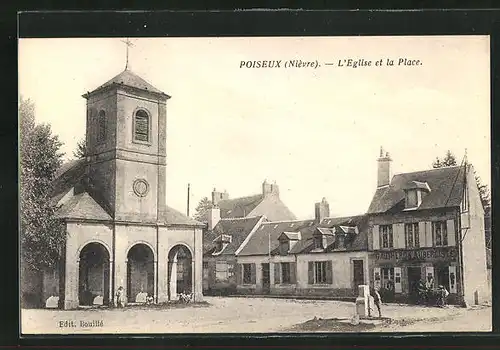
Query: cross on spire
{"type": "Point", "coordinates": [128, 44]}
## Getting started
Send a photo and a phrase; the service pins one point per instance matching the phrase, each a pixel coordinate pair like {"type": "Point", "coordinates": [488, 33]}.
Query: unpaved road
{"type": "Point", "coordinates": [239, 315]}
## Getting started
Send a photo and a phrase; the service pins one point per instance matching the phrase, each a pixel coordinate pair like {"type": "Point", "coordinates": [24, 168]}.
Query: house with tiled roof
{"type": "Point", "coordinates": [267, 203]}
{"type": "Point", "coordinates": [323, 256]}
{"type": "Point", "coordinates": [427, 226]}
{"type": "Point", "coordinates": [219, 247]}
{"type": "Point", "coordinates": [120, 232]}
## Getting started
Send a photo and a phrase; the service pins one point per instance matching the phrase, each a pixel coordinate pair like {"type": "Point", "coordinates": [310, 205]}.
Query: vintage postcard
{"type": "Point", "coordinates": [255, 184]}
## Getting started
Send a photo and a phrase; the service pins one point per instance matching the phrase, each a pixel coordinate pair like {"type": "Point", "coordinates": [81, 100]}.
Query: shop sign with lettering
{"type": "Point", "coordinates": [444, 253]}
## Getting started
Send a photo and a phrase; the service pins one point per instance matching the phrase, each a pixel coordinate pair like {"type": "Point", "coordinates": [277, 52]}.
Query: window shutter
{"type": "Point", "coordinates": [421, 234]}
{"type": "Point", "coordinates": [254, 274]}
{"type": "Point", "coordinates": [450, 228]}
{"type": "Point", "coordinates": [397, 280]}
{"type": "Point", "coordinates": [376, 237]}
{"type": "Point", "coordinates": [329, 272]}
{"type": "Point", "coordinates": [310, 272]}
{"type": "Point", "coordinates": [453, 278]}
{"type": "Point", "coordinates": [293, 268]}
{"type": "Point", "coordinates": [277, 274]}
{"type": "Point", "coordinates": [399, 236]}
{"type": "Point", "coordinates": [238, 268]}
{"type": "Point", "coordinates": [376, 277]}
{"type": "Point", "coordinates": [428, 234]}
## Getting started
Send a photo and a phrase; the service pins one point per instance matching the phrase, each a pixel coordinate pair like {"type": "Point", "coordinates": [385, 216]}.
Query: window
{"type": "Point", "coordinates": [223, 271]}
{"type": "Point", "coordinates": [386, 236]}
{"type": "Point", "coordinates": [141, 126]}
{"type": "Point", "coordinates": [411, 235]}
{"type": "Point", "coordinates": [320, 272]}
{"type": "Point", "coordinates": [411, 199]}
{"type": "Point", "coordinates": [285, 273]}
{"type": "Point", "coordinates": [101, 124]}
{"type": "Point", "coordinates": [284, 247]}
{"type": "Point", "coordinates": [465, 199]}
{"type": "Point", "coordinates": [439, 234]}
{"type": "Point", "coordinates": [318, 242]}
{"type": "Point", "coordinates": [387, 278]}
{"type": "Point", "coordinates": [247, 273]}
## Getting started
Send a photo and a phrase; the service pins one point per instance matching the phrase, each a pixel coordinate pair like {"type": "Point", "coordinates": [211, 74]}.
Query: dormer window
{"type": "Point", "coordinates": [284, 246]}
{"type": "Point", "coordinates": [220, 243]}
{"type": "Point", "coordinates": [318, 242]}
{"type": "Point", "coordinates": [411, 199]}
{"type": "Point", "coordinates": [287, 240]}
{"type": "Point", "coordinates": [415, 191]}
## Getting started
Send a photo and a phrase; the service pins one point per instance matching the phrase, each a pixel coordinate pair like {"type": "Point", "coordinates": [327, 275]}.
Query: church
{"type": "Point", "coordinates": [120, 232]}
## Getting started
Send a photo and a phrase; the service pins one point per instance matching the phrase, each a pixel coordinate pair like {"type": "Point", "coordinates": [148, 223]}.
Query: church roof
{"type": "Point", "coordinates": [174, 217]}
{"type": "Point", "coordinates": [67, 176]}
{"type": "Point", "coordinates": [130, 79]}
{"type": "Point", "coordinates": [82, 206]}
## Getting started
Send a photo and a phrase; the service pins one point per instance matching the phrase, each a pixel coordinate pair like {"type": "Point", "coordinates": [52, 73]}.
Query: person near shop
{"type": "Point", "coordinates": [377, 300]}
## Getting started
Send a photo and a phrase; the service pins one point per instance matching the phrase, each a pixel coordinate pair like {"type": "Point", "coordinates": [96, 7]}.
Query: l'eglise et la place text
{"type": "Point", "coordinates": [80, 323]}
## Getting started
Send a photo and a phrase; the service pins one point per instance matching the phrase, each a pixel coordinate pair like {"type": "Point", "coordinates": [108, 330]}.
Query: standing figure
{"type": "Point", "coordinates": [442, 295]}
{"type": "Point", "coordinates": [422, 292]}
{"type": "Point", "coordinates": [120, 297]}
{"type": "Point", "coordinates": [377, 300]}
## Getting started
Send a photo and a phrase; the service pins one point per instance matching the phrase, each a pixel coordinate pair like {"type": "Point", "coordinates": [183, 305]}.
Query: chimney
{"type": "Point", "coordinates": [219, 196]}
{"type": "Point", "coordinates": [321, 210]}
{"type": "Point", "coordinates": [213, 217]}
{"type": "Point", "coordinates": [384, 174]}
{"type": "Point", "coordinates": [269, 189]}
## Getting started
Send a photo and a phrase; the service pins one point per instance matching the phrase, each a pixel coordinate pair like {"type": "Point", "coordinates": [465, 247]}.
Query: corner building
{"type": "Point", "coordinates": [428, 225]}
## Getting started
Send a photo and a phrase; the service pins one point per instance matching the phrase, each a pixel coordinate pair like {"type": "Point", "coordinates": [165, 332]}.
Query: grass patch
{"type": "Point", "coordinates": [337, 325]}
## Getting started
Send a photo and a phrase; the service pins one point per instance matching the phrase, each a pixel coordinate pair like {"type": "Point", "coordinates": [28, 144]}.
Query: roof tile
{"type": "Point", "coordinates": [445, 191]}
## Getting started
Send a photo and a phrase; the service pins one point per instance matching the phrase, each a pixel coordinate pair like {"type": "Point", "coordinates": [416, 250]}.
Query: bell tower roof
{"type": "Point", "coordinates": [129, 79]}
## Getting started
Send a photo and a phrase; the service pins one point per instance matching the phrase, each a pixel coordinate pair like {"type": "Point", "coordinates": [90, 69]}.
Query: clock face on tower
{"type": "Point", "coordinates": [140, 187]}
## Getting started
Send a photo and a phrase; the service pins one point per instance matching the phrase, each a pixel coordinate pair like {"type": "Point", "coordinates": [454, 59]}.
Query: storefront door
{"type": "Point", "coordinates": [414, 276]}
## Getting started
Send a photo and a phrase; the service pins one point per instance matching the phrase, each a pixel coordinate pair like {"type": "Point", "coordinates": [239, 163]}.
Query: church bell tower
{"type": "Point", "coordinates": [126, 148]}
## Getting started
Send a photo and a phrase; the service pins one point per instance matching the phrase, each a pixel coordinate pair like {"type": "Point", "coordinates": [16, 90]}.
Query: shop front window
{"type": "Point", "coordinates": [388, 278]}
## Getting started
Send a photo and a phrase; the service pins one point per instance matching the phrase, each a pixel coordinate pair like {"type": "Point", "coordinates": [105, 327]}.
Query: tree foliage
{"type": "Point", "coordinates": [81, 149]}
{"type": "Point", "coordinates": [42, 235]}
{"type": "Point", "coordinates": [201, 211]}
{"type": "Point", "coordinates": [448, 160]}
{"type": "Point", "coordinates": [484, 192]}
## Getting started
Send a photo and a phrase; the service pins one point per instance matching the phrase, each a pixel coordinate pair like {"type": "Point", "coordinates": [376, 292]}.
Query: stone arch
{"type": "Point", "coordinates": [93, 240]}
{"type": "Point", "coordinates": [94, 274]}
{"type": "Point", "coordinates": [140, 242]}
{"type": "Point", "coordinates": [180, 270]}
{"type": "Point", "coordinates": [140, 272]}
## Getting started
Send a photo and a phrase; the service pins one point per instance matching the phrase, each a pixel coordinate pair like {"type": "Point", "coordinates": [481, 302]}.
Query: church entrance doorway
{"type": "Point", "coordinates": [180, 271]}
{"type": "Point", "coordinates": [140, 273]}
{"type": "Point", "coordinates": [94, 275]}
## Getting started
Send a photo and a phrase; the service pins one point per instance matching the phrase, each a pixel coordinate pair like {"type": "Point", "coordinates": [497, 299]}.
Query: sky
{"type": "Point", "coordinates": [317, 132]}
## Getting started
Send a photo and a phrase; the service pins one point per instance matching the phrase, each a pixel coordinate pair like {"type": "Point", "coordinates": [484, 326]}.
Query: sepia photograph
{"type": "Point", "coordinates": [332, 184]}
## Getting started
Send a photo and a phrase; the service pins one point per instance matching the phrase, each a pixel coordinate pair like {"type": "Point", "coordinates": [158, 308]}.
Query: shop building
{"type": "Point", "coordinates": [428, 226]}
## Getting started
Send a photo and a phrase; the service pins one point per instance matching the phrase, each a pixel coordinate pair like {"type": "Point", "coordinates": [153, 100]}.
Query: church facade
{"type": "Point", "coordinates": [120, 232]}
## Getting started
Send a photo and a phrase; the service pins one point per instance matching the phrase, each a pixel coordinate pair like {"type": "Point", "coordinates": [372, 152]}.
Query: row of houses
{"type": "Point", "coordinates": [420, 226]}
